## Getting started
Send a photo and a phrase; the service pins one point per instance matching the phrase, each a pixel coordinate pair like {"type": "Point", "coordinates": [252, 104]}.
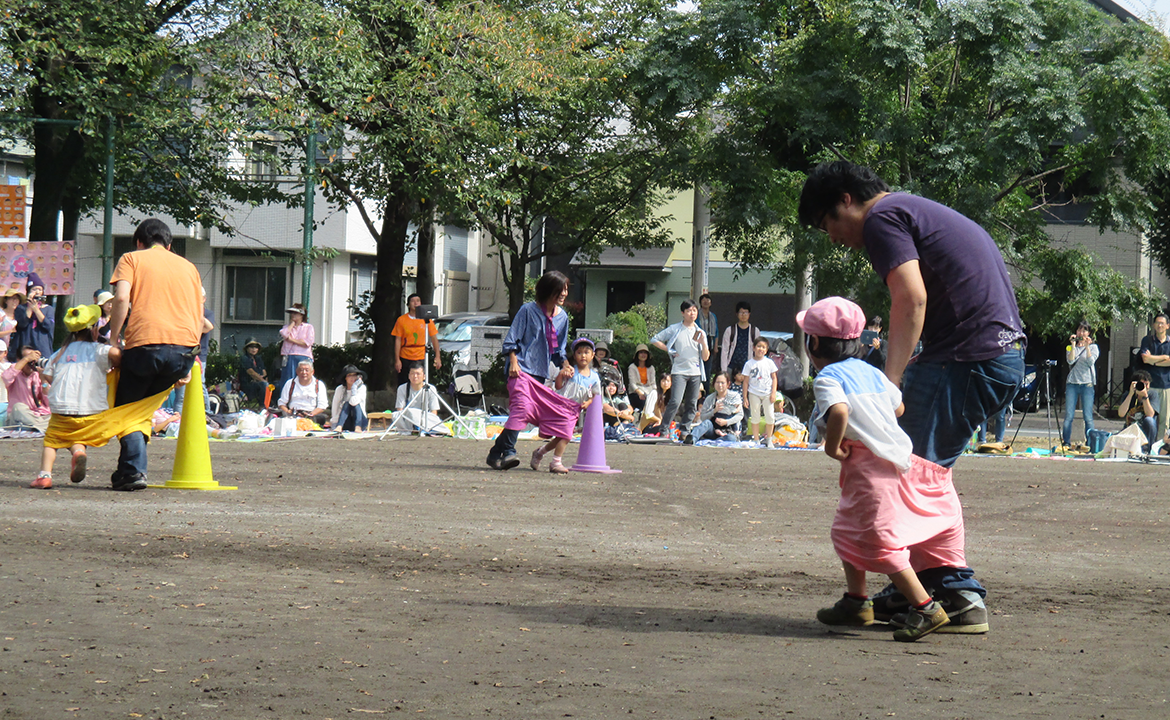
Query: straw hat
{"type": "Point", "coordinates": [103, 297]}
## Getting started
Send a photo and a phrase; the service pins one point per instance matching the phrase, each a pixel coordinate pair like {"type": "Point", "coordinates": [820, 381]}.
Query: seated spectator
{"type": "Point", "coordinates": [34, 322]}
{"type": "Point", "coordinates": [78, 394]}
{"type": "Point", "coordinates": [349, 402]}
{"type": "Point", "coordinates": [607, 367]}
{"type": "Point", "coordinates": [1137, 408]}
{"type": "Point", "coordinates": [253, 376]}
{"type": "Point", "coordinates": [651, 420]}
{"type": "Point", "coordinates": [305, 396]}
{"type": "Point", "coordinates": [642, 381]}
{"type": "Point", "coordinates": [28, 405]}
{"type": "Point", "coordinates": [419, 401]}
{"type": "Point", "coordinates": [721, 413]}
{"type": "Point", "coordinates": [617, 413]}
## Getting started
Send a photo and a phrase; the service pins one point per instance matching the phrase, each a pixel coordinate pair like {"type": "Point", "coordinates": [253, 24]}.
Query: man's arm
{"type": "Point", "coordinates": [907, 316]}
{"type": "Point", "coordinates": [120, 309]}
{"type": "Point", "coordinates": [435, 344]}
{"type": "Point", "coordinates": [398, 353]}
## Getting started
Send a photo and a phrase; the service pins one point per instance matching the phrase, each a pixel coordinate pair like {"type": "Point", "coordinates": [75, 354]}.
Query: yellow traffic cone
{"type": "Point", "coordinates": [192, 470]}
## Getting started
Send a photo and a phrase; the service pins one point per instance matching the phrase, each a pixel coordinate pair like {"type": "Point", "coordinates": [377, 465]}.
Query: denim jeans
{"type": "Point", "coordinates": [684, 390]}
{"type": "Point", "coordinates": [706, 430]}
{"type": "Point", "coordinates": [1074, 394]}
{"type": "Point", "coordinates": [289, 371]}
{"type": "Point", "coordinates": [1157, 399]}
{"type": "Point", "coordinates": [947, 402]}
{"type": "Point", "coordinates": [351, 418]}
{"type": "Point", "coordinates": [146, 370]}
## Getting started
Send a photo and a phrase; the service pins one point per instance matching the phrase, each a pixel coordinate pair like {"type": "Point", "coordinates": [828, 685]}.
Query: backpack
{"type": "Point", "coordinates": [789, 374]}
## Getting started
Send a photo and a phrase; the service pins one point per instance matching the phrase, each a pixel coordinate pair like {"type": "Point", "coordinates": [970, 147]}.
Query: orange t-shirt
{"type": "Point", "coordinates": [414, 341]}
{"type": "Point", "coordinates": [166, 298]}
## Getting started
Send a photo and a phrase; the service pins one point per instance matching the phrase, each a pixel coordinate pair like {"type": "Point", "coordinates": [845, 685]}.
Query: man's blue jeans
{"type": "Point", "coordinates": [146, 370]}
{"type": "Point", "coordinates": [1074, 394]}
{"type": "Point", "coordinates": [945, 403]}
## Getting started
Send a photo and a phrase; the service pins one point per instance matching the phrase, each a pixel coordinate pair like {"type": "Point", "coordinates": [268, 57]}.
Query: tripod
{"type": "Point", "coordinates": [1043, 379]}
{"type": "Point", "coordinates": [422, 397]}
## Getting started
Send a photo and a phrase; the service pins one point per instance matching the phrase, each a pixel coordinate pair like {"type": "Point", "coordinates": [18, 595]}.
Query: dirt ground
{"type": "Point", "coordinates": [404, 578]}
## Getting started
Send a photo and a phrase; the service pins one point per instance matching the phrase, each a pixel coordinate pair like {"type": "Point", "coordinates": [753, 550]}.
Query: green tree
{"type": "Point", "coordinates": [1002, 110]}
{"type": "Point", "coordinates": [122, 66]}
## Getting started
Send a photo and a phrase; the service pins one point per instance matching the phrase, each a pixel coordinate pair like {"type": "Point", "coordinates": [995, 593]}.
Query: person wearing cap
{"type": "Point", "coordinates": [349, 401]}
{"type": "Point", "coordinates": [35, 321]}
{"type": "Point", "coordinates": [410, 337]}
{"type": "Point", "coordinates": [161, 340]}
{"type": "Point", "coordinates": [78, 392]}
{"type": "Point", "coordinates": [899, 514]}
{"type": "Point", "coordinates": [948, 286]}
{"type": "Point", "coordinates": [299, 337]}
{"type": "Point", "coordinates": [253, 376]}
{"type": "Point", "coordinates": [643, 385]}
{"type": "Point", "coordinates": [104, 300]}
{"type": "Point", "coordinates": [608, 367]}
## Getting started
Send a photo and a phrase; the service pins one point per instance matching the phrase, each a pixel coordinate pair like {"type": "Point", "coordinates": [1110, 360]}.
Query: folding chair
{"type": "Point", "coordinates": [469, 391]}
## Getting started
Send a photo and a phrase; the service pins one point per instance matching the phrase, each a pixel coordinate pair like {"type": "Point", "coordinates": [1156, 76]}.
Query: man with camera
{"type": "Point", "coordinates": [1155, 353]}
{"type": "Point", "coordinates": [1137, 408]}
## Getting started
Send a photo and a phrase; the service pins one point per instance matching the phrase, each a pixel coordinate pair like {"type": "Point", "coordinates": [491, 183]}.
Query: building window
{"type": "Point", "coordinates": [256, 294]}
{"type": "Point", "coordinates": [262, 162]}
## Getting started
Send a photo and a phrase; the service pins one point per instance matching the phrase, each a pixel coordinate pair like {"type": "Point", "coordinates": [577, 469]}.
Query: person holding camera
{"type": "Point", "coordinates": [687, 345]}
{"type": "Point", "coordinates": [34, 322]}
{"type": "Point", "coordinates": [1137, 408]}
{"type": "Point", "coordinates": [28, 401]}
{"type": "Point", "coordinates": [1082, 354]}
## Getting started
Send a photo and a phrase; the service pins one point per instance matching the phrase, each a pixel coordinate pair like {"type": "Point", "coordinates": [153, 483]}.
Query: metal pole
{"type": "Point", "coordinates": [310, 194]}
{"type": "Point", "coordinates": [108, 218]}
{"type": "Point", "coordinates": [699, 243]}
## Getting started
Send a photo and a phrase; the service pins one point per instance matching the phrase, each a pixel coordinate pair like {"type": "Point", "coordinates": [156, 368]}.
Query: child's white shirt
{"type": "Point", "coordinates": [79, 379]}
{"type": "Point", "coordinates": [871, 399]}
{"type": "Point", "coordinates": [759, 375]}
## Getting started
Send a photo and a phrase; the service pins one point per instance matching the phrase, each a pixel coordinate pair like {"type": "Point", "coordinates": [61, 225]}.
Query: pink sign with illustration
{"type": "Point", "coordinates": [52, 261]}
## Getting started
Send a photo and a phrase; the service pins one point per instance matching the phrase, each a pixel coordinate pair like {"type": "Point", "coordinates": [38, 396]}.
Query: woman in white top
{"type": "Point", "coordinates": [642, 386]}
{"type": "Point", "coordinates": [349, 402]}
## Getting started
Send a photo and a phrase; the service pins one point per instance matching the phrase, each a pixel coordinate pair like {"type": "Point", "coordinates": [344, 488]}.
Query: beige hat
{"type": "Point", "coordinates": [297, 308]}
{"type": "Point", "coordinates": [13, 291]}
{"type": "Point", "coordinates": [103, 297]}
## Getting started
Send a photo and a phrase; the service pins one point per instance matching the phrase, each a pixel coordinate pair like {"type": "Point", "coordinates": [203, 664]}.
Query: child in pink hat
{"type": "Point", "coordinates": [898, 513]}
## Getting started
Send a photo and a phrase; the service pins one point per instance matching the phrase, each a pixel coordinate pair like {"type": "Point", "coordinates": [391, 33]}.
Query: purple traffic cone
{"type": "Point", "coordinates": [591, 455]}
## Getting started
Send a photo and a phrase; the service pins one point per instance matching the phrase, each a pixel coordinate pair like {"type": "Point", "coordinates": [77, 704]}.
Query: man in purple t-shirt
{"type": "Point", "coordinates": [948, 286]}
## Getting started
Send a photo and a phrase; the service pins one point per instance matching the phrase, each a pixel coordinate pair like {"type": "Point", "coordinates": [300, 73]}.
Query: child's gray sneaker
{"type": "Point", "coordinates": [921, 622]}
{"type": "Point", "coordinates": [847, 611]}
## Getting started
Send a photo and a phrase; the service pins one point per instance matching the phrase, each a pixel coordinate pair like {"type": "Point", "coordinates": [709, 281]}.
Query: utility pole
{"type": "Point", "coordinates": [700, 242]}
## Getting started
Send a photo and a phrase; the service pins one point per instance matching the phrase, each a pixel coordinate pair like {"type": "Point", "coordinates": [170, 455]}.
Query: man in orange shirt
{"type": "Point", "coordinates": [162, 335]}
{"type": "Point", "coordinates": [410, 337]}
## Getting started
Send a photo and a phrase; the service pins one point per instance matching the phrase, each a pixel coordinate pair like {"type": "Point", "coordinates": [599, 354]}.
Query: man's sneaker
{"type": "Point", "coordinates": [77, 474]}
{"type": "Point", "coordinates": [509, 461]}
{"type": "Point", "coordinates": [129, 484]}
{"type": "Point", "coordinates": [888, 603]}
{"type": "Point", "coordinates": [967, 617]}
{"type": "Point", "coordinates": [847, 611]}
{"type": "Point", "coordinates": [689, 439]}
{"type": "Point", "coordinates": [493, 462]}
{"type": "Point", "coordinates": [44, 481]}
{"type": "Point", "coordinates": [921, 622]}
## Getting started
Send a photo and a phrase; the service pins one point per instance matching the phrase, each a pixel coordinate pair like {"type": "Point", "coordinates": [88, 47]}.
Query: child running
{"type": "Point", "coordinates": [580, 386]}
{"type": "Point", "coordinates": [898, 513]}
{"type": "Point", "coordinates": [78, 374]}
{"type": "Point", "coordinates": [759, 376]}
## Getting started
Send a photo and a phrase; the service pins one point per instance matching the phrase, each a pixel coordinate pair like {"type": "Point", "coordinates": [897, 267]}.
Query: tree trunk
{"type": "Point", "coordinates": [55, 157]}
{"type": "Point", "coordinates": [387, 303]}
{"type": "Point", "coordinates": [515, 281]}
{"type": "Point", "coordinates": [425, 244]}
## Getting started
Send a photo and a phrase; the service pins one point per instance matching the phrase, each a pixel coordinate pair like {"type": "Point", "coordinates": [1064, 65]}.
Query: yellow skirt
{"type": "Point", "coordinates": [97, 430]}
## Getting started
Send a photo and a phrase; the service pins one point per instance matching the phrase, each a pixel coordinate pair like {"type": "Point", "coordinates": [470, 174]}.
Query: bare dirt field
{"type": "Point", "coordinates": [403, 578]}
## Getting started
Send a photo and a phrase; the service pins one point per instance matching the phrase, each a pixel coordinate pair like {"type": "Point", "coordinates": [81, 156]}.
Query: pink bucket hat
{"type": "Point", "coordinates": [832, 317]}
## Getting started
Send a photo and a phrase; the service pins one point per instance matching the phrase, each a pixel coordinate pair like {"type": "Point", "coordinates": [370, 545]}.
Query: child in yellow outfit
{"type": "Point", "coordinates": [79, 390]}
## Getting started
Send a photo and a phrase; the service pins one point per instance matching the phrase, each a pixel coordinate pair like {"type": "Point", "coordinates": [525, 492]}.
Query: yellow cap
{"type": "Point", "coordinates": [81, 317]}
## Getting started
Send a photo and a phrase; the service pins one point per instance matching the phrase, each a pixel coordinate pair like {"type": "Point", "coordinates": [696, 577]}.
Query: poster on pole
{"type": "Point", "coordinates": [51, 261]}
{"type": "Point", "coordinates": [12, 211]}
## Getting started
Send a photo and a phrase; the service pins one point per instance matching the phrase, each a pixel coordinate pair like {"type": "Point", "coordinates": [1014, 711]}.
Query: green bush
{"type": "Point", "coordinates": [627, 325]}
{"type": "Point", "coordinates": [330, 360]}
{"type": "Point", "coordinates": [654, 315]}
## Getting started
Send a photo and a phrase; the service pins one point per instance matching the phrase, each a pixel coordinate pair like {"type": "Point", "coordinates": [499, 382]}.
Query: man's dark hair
{"type": "Point", "coordinates": [412, 295]}
{"type": "Point", "coordinates": [152, 232]}
{"type": "Point", "coordinates": [1141, 376]}
{"type": "Point", "coordinates": [1162, 315]}
{"type": "Point", "coordinates": [828, 182]}
{"type": "Point", "coordinates": [686, 305]}
{"type": "Point", "coordinates": [743, 305]}
{"type": "Point", "coordinates": [704, 296]}
{"type": "Point", "coordinates": [833, 350]}
{"type": "Point", "coordinates": [550, 285]}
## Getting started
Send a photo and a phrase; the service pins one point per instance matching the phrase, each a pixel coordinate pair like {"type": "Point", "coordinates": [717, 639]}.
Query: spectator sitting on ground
{"type": "Point", "coordinates": [651, 420]}
{"type": "Point", "coordinates": [253, 376]}
{"type": "Point", "coordinates": [28, 405]}
{"type": "Point", "coordinates": [1137, 408]}
{"type": "Point", "coordinates": [607, 367]}
{"type": "Point", "coordinates": [616, 406]}
{"type": "Point", "coordinates": [305, 396]}
{"type": "Point", "coordinates": [416, 397]}
{"type": "Point", "coordinates": [642, 380]}
{"type": "Point", "coordinates": [720, 415]}
{"type": "Point", "coordinates": [349, 402]}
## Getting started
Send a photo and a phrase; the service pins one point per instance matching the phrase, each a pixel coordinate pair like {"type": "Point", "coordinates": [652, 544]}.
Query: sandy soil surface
{"type": "Point", "coordinates": [404, 578]}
